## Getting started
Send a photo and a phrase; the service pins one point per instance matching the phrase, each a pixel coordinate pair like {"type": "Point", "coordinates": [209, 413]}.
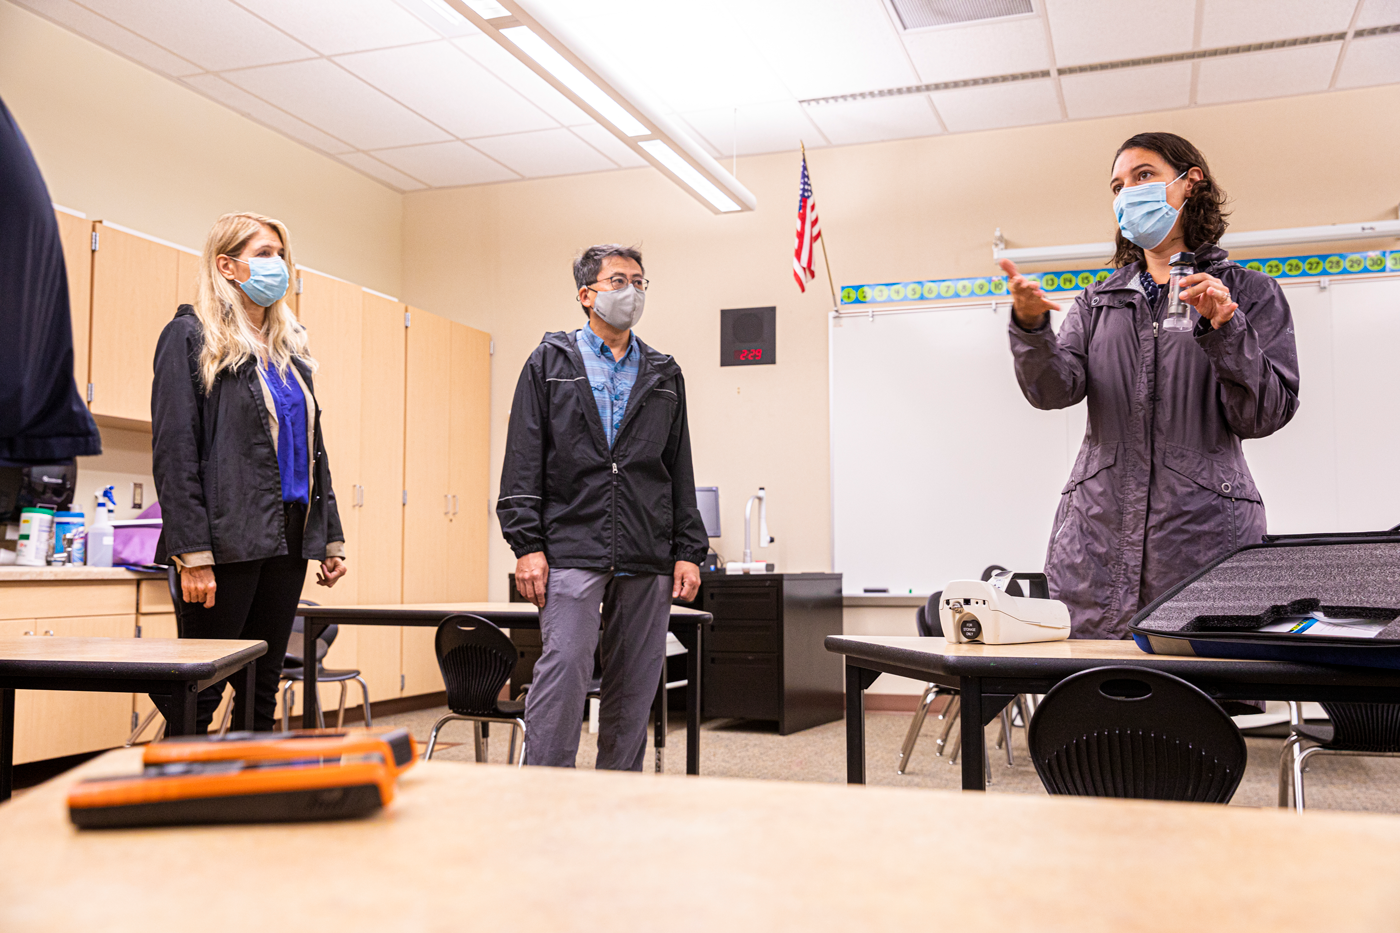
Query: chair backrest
{"type": "Point", "coordinates": [323, 640]}
{"type": "Point", "coordinates": [926, 619]}
{"type": "Point", "coordinates": [476, 659]}
{"type": "Point", "coordinates": [1364, 727]}
{"type": "Point", "coordinates": [1135, 732]}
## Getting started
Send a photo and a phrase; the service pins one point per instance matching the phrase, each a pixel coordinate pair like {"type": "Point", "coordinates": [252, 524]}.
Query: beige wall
{"type": "Point", "coordinates": [122, 143]}
{"type": "Point", "coordinates": [497, 257]}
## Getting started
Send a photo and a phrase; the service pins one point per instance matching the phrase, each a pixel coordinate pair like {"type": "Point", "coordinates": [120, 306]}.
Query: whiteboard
{"type": "Point", "coordinates": [940, 466]}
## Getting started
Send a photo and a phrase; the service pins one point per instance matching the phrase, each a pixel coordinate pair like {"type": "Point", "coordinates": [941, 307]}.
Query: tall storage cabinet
{"type": "Point", "coordinates": [469, 443]}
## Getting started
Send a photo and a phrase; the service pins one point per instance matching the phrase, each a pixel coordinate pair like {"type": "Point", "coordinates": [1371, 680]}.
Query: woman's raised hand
{"type": "Point", "coordinates": [1028, 302]}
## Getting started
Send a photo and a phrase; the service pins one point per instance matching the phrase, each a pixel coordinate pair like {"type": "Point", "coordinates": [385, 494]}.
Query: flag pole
{"type": "Point", "coordinates": [835, 305]}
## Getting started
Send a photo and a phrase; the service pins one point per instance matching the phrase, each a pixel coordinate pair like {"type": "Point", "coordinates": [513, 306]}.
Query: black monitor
{"type": "Point", "coordinates": [707, 498]}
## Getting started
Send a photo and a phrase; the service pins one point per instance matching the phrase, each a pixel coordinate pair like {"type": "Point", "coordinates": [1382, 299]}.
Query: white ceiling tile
{"type": "Point", "coordinates": [867, 121]}
{"type": "Point", "coordinates": [824, 47]}
{"type": "Point", "coordinates": [678, 59]}
{"type": "Point", "coordinates": [1303, 69]}
{"type": "Point", "coordinates": [1378, 13]}
{"type": "Point", "coordinates": [107, 33]}
{"type": "Point", "coordinates": [959, 52]}
{"type": "Point", "coordinates": [604, 141]}
{"type": "Point", "coordinates": [1088, 31]}
{"type": "Point", "coordinates": [773, 127]}
{"type": "Point", "coordinates": [442, 83]}
{"type": "Point", "coordinates": [332, 99]}
{"type": "Point", "coordinates": [446, 165]}
{"type": "Point", "coordinates": [514, 73]}
{"type": "Point", "coordinates": [1127, 90]}
{"type": "Point", "coordinates": [332, 27]}
{"type": "Point", "coordinates": [1240, 22]}
{"type": "Point", "coordinates": [997, 105]}
{"type": "Point", "coordinates": [260, 110]}
{"type": "Point", "coordinates": [214, 34]}
{"type": "Point", "coordinates": [546, 152]}
{"type": "Point", "coordinates": [1372, 60]}
{"type": "Point", "coordinates": [378, 170]}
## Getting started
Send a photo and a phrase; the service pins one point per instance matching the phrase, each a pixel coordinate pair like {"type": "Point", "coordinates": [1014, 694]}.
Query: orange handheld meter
{"type": "Point", "coordinates": [232, 791]}
{"type": "Point", "coordinates": [394, 747]}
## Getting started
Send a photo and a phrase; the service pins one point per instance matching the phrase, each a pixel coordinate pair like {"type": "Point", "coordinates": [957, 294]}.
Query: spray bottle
{"type": "Point", "coordinates": [101, 534]}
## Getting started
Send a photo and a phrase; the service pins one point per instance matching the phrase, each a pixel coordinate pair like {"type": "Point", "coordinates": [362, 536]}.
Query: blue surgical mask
{"type": "Point", "coordinates": [267, 280]}
{"type": "Point", "coordinates": [1143, 213]}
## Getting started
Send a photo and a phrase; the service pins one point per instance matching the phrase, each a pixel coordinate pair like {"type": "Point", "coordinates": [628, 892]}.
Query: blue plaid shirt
{"type": "Point", "coordinates": [612, 380]}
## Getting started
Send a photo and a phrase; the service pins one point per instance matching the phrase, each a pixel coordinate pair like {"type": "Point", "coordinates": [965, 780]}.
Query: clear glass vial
{"type": "Point", "coordinates": [1178, 316]}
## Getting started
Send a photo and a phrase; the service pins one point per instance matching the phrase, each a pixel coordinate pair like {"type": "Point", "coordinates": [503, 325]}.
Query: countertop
{"type": "Point", "coordinates": [10, 573]}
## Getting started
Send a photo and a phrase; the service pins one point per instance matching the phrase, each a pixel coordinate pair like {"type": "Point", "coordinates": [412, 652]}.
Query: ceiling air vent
{"type": "Point", "coordinates": [920, 14]}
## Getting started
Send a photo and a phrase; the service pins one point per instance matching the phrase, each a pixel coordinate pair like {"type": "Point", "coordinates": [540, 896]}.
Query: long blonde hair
{"type": "Point", "coordinates": [229, 338]}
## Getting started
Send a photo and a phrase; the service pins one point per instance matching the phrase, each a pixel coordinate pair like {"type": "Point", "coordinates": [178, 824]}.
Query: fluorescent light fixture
{"type": "Point", "coordinates": [551, 61]}
{"type": "Point", "coordinates": [1286, 236]}
{"type": "Point", "coordinates": [443, 9]}
{"type": "Point", "coordinates": [529, 32]}
{"type": "Point", "coordinates": [687, 174]}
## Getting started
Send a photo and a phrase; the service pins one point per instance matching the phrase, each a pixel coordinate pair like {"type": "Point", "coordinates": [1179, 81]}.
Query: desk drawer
{"type": "Point", "coordinates": [747, 636]}
{"type": "Point", "coordinates": [741, 685]}
{"type": "Point", "coordinates": [742, 602]}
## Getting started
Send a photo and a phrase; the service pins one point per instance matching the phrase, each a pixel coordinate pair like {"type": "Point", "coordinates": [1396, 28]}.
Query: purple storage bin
{"type": "Point", "coordinates": [134, 541]}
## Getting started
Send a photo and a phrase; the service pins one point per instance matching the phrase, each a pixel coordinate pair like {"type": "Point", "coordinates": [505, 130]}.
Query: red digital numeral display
{"type": "Point", "coordinates": [755, 354]}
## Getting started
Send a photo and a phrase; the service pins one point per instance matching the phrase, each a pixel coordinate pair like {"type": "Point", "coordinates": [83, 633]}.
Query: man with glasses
{"type": "Point", "coordinates": [598, 502]}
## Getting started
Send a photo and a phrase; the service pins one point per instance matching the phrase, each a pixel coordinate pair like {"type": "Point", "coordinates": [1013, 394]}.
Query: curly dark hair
{"type": "Point", "coordinates": [1202, 216]}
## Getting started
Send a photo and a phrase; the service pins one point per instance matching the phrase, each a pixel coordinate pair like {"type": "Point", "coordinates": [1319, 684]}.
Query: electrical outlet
{"type": "Point", "coordinates": [138, 495]}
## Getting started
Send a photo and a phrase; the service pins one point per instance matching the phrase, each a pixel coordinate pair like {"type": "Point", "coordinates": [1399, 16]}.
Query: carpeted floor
{"type": "Point", "coordinates": [735, 748]}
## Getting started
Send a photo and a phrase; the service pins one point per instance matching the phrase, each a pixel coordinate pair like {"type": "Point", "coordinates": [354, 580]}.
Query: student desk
{"type": "Point", "coordinates": [180, 667]}
{"type": "Point", "coordinates": [487, 847]}
{"type": "Point", "coordinates": [687, 624]}
{"type": "Point", "coordinates": [990, 675]}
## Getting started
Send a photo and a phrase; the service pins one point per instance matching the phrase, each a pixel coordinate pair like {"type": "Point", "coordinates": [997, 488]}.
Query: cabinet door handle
{"type": "Point", "coordinates": [454, 503]}
{"type": "Point", "coordinates": [359, 495]}
{"type": "Point", "coordinates": [29, 633]}
{"type": "Point", "coordinates": [446, 504]}
{"type": "Point", "coordinates": [48, 631]}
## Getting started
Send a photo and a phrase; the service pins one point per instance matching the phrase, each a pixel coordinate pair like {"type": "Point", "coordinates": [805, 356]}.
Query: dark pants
{"type": "Point", "coordinates": [254, 599]}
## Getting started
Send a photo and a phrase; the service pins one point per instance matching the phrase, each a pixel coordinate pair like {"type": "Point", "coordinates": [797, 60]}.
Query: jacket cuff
{"type": "Point", "coordinates": [1017, 328]}
{"type": "Point", "coordinates": [335, 549]}
{"type": "Point", "coordinates": [693, 557]}
{"type": "Point", "coordinates": [193, 559]}
{"type": "Point", "coordinates": [529, 547]}
{"type": "Point", "coordinates": [1216, 340]}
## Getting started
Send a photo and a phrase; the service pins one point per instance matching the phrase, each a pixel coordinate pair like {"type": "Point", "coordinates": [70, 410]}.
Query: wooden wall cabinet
{"type": "Point", "coordinates": [135, 284]}
{"type": "Point", "coordinates": [75, 233]}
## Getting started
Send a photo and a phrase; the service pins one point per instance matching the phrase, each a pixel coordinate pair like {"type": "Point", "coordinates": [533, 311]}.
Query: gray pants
{"type": "Point", "coordinates": [636, 611]}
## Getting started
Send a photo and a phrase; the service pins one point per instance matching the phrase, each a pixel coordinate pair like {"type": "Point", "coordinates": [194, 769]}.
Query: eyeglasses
{"type": "Point", "coordinates": [621, 281]}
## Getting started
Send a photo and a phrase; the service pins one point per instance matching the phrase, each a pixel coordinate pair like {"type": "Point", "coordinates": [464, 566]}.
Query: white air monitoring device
{"type": "Point", "coordinates": [748, 564]}
{"type": "Point", "coordinates": [993, 612]}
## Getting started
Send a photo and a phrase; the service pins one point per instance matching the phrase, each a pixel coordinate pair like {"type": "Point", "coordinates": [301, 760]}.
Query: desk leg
{"type": "Point", "coordinates": [974, 739]}
{"type": "Point", "coordinates": [692, 702]}
{"type": "Point", "coordinates": [658, 711]}
{"type": "Point", "coordinates": [184, 702]}
{"type": "Point", "coordinates": [243, 699]}
{"type": "Point", "coordinates": [7, 743]}
{"type": "Point", "coordinates": [312, 698]}
{"type": "Point", "coordinates": [857, 679]}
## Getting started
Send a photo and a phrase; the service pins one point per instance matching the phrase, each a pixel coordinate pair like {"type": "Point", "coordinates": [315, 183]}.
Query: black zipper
{"type": "Point", "coordinates": [614, 516]}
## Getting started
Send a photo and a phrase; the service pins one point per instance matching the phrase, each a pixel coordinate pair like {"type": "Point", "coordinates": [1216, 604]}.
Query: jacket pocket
{"type": "Point", "coordinates": [1091, 461]}
{"type": "Point", "coordinates": [1223, 479]}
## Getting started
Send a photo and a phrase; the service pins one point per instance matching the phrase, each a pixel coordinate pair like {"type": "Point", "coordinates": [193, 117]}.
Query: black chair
{"type": "Point", "coordinates": [476, 659]}
{"type": "Point", "coordinates": [294, 672]}
{"type": "Point", "coordinates": [1135, 732]}
{"type": "Point", "coordinates": [1362, 730]}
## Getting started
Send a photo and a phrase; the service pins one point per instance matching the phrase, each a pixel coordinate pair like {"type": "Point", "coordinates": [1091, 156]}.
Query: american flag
{"type": "Point", "coordinates": [809, 231]}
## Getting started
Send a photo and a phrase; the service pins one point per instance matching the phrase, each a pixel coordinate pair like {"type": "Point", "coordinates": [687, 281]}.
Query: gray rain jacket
{"type": "Point", "coordinates": [1160, 487]}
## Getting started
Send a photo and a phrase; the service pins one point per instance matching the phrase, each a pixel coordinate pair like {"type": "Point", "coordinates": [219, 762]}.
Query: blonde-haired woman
{"type": "Point", "coordinates": [240, 469]}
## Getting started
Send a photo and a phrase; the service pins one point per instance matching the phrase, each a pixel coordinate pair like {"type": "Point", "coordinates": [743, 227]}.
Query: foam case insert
{"type": "Point", "coordinates": [1218, 612]}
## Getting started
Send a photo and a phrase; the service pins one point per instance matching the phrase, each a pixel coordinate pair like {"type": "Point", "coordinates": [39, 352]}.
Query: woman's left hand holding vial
{"type": "Point", "coordinates": [1209, 296]}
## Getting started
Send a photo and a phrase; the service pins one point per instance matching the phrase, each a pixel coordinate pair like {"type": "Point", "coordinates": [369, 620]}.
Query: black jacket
{"type": "Point", "coordinates": [631, 508]}
{"type": "Point", "coordinates": [42, 415]}
{"type": "Point", "coordinates": [215, 462]}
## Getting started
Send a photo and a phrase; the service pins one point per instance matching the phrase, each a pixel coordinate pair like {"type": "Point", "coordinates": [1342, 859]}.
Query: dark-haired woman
{"type": "Point", "coordinates": [1160, 487]}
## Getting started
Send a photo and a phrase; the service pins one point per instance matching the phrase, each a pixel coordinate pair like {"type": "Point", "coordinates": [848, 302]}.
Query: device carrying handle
{"type": "Point", "coordinates": [1037, 584]}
